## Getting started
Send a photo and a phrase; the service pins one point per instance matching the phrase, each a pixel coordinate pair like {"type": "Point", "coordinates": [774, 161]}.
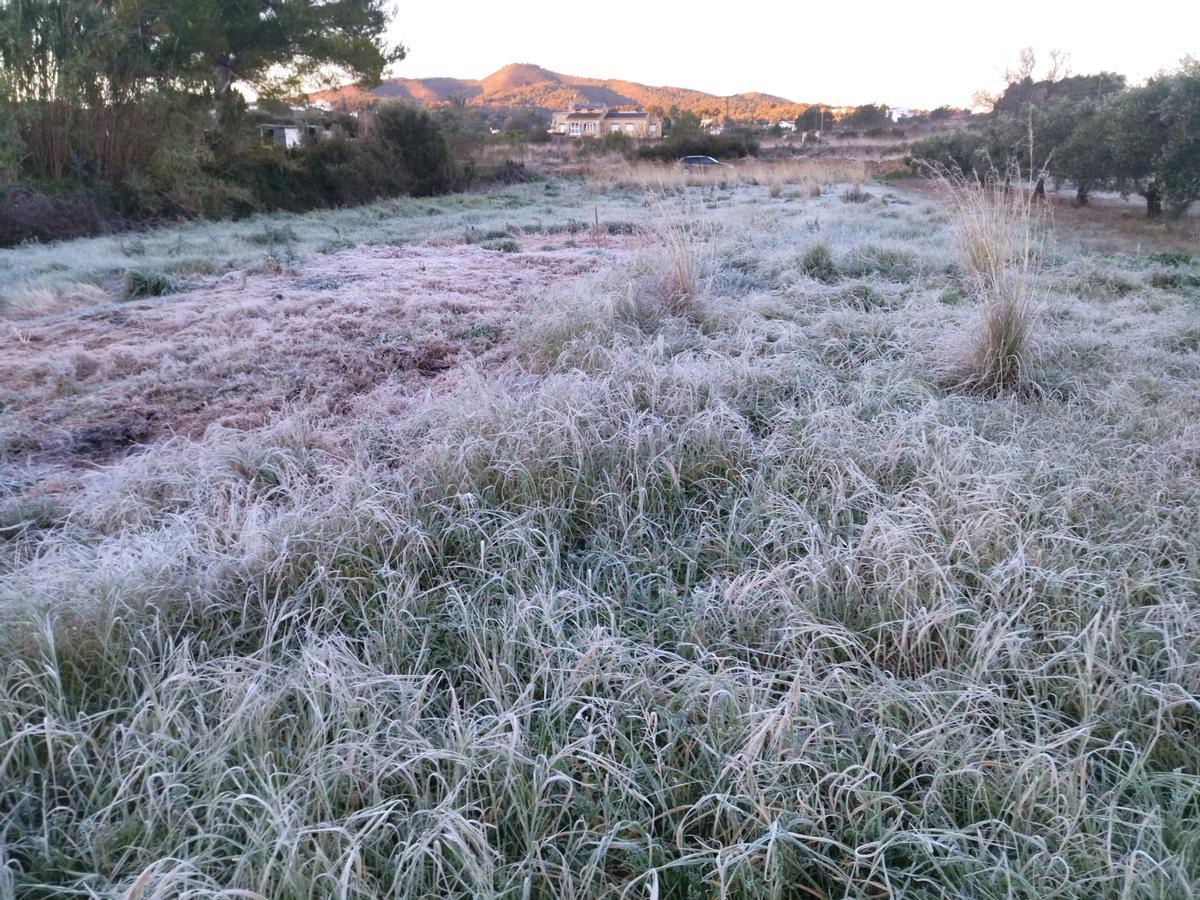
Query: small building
{"type": "Point", "coordinates": [293, 134]}
{"type": "Point", "coordinates": [280, 135]}
{"type": "Point", "coordinates": [324, 130]}
{"type": "Point", "coordinates": [597, 120]}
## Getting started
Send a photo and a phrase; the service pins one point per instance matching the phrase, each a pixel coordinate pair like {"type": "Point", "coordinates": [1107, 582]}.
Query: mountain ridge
{"type": "Point", "coordinates": [523, 85]}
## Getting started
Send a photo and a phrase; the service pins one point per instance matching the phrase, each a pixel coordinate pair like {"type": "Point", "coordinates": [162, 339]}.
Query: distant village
{"type": "Point", "coordinates": [293, 126]}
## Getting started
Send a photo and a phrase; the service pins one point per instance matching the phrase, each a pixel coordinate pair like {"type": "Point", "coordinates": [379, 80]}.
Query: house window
{"type": "Point", "coordinates": [589, 128]}
{"type": "Point", "coordinates": [562, 128]}
{"type": "Point", "coordinates": [651, 129]}
{"type": "Point", "coordinates": [614, 127]}
{"type": "Point", "coordinates": [575, 128]}
{"type": "Point", "coordinates": [629, 128]}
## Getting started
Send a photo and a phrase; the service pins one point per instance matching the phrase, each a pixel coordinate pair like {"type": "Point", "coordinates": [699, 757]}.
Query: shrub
{"type": "Point", "coordinates": [30, 215]}
{"type": "Point", "coordinates": [407, 151]}
{"type": "Point", "coordinates": [959, 151]}
{"type": "Point", "coordinates": [618, 142]}
{"type": "Point", "coordinates": [719, 146]}
{"type": "Point", "coordinates": [333, 175]}
{"type": "Point", "coordinates": [507, 172]}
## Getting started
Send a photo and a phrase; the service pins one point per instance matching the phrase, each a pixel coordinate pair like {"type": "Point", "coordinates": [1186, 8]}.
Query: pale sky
{"type": "Point", "coordinates": [920, 54]}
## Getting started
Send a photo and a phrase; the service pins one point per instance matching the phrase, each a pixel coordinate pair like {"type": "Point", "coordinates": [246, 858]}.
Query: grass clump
{"type": "Point", "coordinates": [274, 235]}
{"type": "Point", "coordinates": [502, 245]}
{"type": "Point", "coordinates": [891, 263]}
{"type": "Point", "coordinates": [684, 265]}
{"type": "Point", "coordinates": [863, 296]}
{"type": "Point", "coordinates": [1102, 283]}
{"type": "Point", "coordinates": [855, 194]}
{"type": "Point", "coordinates": [334, 245]}
{"type": "Point", "coordinates": [1173, 258]}
{"type": "Point", "coordinates": [817, 262]}
{"type": "Point", "coordinates": [139, 283]}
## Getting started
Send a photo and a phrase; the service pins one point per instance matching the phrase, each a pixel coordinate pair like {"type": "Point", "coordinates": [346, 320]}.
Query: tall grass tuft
{"type": "Point", "coordinates": [684, 265]}
{"type": "Point", "coordinates": [1000, 230]}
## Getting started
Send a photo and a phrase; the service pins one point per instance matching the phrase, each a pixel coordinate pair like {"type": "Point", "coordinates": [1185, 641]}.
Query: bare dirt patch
{"type": "Point", "coordinates": [86, 388]}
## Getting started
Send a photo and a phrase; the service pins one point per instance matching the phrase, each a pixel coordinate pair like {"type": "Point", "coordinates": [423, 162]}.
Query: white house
{"type": "Point", "coordinates": [282, 135]}
{"type": "Point", "coordinates": [585, 120]}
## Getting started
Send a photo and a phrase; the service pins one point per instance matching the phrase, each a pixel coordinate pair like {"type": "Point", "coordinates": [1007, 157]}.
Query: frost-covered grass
{"type": "Point", "coordinates": [724, 598]}
{"type": "Point", "coordinates": [70, 274]}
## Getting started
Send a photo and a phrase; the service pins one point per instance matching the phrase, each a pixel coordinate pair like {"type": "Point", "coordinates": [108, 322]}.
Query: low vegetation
{"type": "Point", "coordinates": [705, 582]}
{"type": "Point", "coordinates": [804, 176]}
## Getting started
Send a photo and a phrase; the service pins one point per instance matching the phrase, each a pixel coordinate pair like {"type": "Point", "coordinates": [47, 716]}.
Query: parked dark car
{"type": "Point", "coordinates": [700, 162]}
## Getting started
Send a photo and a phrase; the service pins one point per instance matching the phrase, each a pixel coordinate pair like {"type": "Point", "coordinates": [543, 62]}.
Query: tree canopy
{"type": "Point", "coordinates": [101, 51]}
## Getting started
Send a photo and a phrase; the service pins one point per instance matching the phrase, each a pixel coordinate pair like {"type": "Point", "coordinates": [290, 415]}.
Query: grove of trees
{"type": "Point", "coordinates": [1092, 131]}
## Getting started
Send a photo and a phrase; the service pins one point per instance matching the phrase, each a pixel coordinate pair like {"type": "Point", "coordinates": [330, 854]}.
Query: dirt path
{"type": "Point", "coordinates": [83, 389]}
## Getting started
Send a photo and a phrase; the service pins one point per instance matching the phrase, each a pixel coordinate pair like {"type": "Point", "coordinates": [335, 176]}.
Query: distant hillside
{"type": "Point", "coordinates": [524, 85]}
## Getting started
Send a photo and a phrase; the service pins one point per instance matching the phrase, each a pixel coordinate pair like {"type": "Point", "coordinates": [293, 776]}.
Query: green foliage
{"type": "Point", "coordinates": [465, 127]}
{"type": "Point", "coordinates": [214, 42]}
{"type": "Point", "coordinates": [872, 115]}
{"type": "Point", "coordinates": [12, 149]}
{"type": "Point", "coordinates": [502, 245]}
{"type": "Point", "coordinates": [525, 126]}
{"type": "Point", "coordinates": [1179, 160]}
{"type": "Point", "coordinates": [147, 283]}
{"type": "Point", "coordinates": [720, 146]}
{"type": "Point", "coordinates": [1075, 137]}
{"type": "Point", "coordinates": [684, 125]}
{"type": "Point", "coordinates": [961, 151]}
{"type": "Point", "coordinates": [817, 262]}
{"type": "Point", "coordinates": [1025, 93]}
{"type": "Point", "coordinates": [1155, 136]}
{"type": "Point", "coordinates": [410, 151]}
{"type": "Point", "coordinates": [1137, 136]}
{"type": "Point", "coordinates": [618, 142]}
{"type": "Point", "coordinates": [812, 119]}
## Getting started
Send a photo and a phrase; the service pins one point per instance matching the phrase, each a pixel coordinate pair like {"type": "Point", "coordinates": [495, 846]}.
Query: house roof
{"type": "Point", "coordinates": [639, 114]}
{"type": "Point", "coordinates": [595, 116]}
